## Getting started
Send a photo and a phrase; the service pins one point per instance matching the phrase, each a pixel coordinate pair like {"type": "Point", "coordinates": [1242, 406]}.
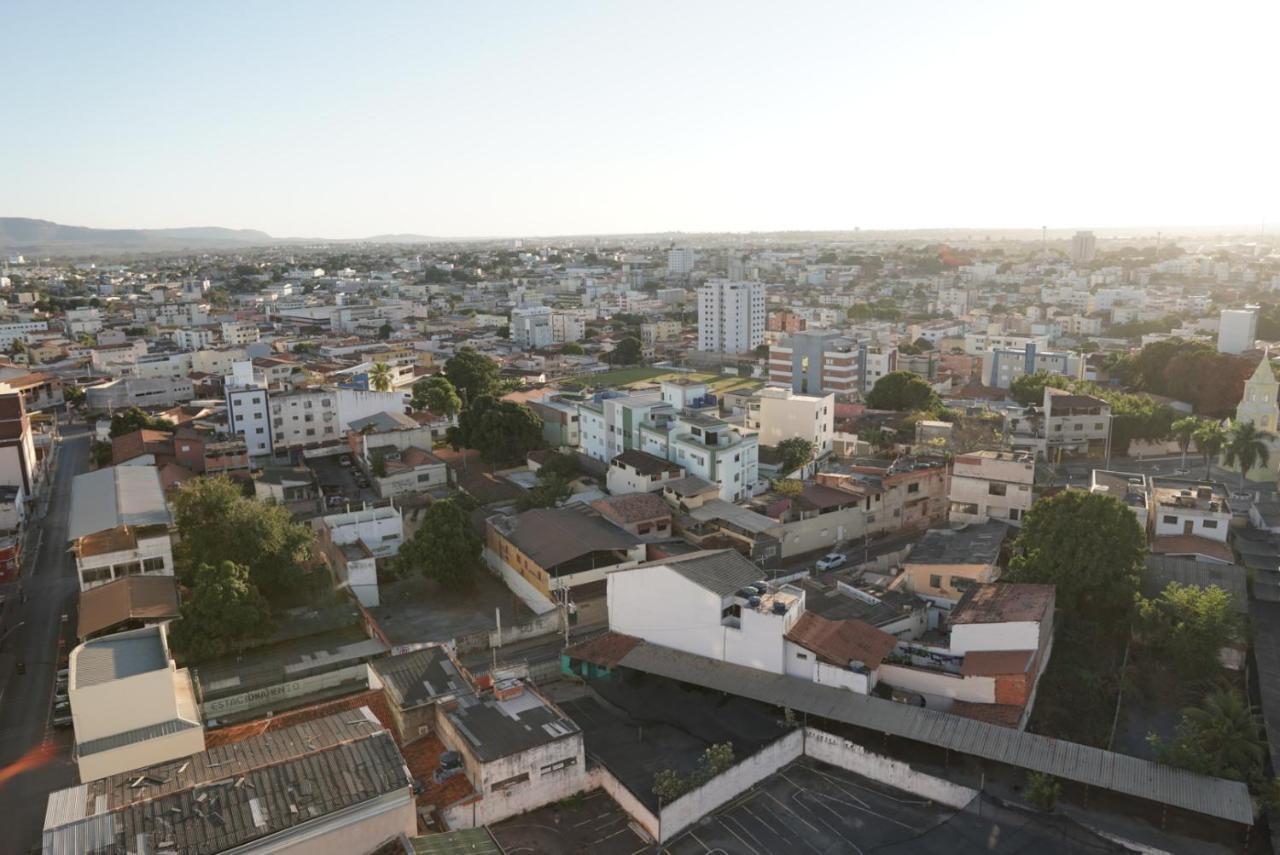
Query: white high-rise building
{"type": "Point", "coordinates": [680, 260]}
{"type": "Point", "coordinates": [1237, 329]}
{"type": "Point", "coordinates": [1084, 246]}
{"type": "Point", "coordinates": [531, 327]}
{"type": "Point", "coordinates": [731, 316]}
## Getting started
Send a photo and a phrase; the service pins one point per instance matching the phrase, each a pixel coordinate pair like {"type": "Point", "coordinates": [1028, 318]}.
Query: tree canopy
{"type": "Point", "coordinates": [1090, 546]}
{"type": "Point", "coordinates": [1028, 390]}
{"type": "Point", "coordinates": [1219, 737]}
{"type": "Point", "coordinates": [436, 394]}
{"type": "Point", "coordinates": [1247, 446]}
{"type": "Point", "coordinates": [472, 373]}
{"type": "Point", "coordinates": [445, 547]}
{"type": "Point", "coordinates": [135, 418]}
{"type": "Point", "coordinates": [903, 391]}
{"type": "Point", "coordinates": [380, 377]}
{"type": "Point", "coordinates": [794, 453]}
{"type": "Point", "coordinates": [218, 524]}
{"type": "Point", "coordinates": [1186, 626]}
{"type": "Point", "coordinates": [502, 431]}
{"type": "Point", "coordinates": [628, 352]}
{"type": "Point", "coordinates": [224, 613]}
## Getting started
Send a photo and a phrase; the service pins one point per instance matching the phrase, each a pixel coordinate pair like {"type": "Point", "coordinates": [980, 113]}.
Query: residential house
{"type": "Point", "coordinates": [947, 562]}
{"type": "Point", "coordinates": [131, 707]}
{"type": "Point", "coordinates": [352, 543]}
{"type": "Point", "coordinates": [988, 485]}
{"type": "Point", "coordinates": [779, 414]}
{"type": "Point", "coordinates": [119, 525]}
{"type": "Point", "coordinates": [634, 471]}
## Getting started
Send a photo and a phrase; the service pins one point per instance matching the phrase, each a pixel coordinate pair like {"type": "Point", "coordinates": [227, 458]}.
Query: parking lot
{"type": "Point", "coordinates": [593, 823]}
{"type": "Point", "coordinates": [340, 484]}
{"type": "Point", "coordinates": [809, 807]}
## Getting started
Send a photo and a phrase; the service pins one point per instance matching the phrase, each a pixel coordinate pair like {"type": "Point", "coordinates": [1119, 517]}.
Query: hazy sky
{"type": "Point", "coordinates": [471, 118]}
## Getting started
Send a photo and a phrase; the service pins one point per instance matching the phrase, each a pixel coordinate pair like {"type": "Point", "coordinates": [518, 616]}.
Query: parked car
{"type": "Point", "coordinates": [831, 561]}
{"type": "Point", "coordinates": [345, 460]}
{"type": "Point", "coordinates": [62, 721]}
{"type": "Point", "coordinates": [902, 696]}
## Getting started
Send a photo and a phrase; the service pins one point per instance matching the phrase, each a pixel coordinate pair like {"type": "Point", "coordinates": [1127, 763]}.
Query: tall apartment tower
{"type": "Point", "coordinates": [1084, 246]}
{"type": "Point", "coordinates": [1237, 329]}
{"type": "Point", "coordinates": [731, 316]}
{"type": "Point", "coordinates": [680, 260]}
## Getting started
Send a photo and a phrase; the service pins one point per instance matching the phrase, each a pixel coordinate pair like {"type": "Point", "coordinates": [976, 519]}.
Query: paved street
{"type": "Point", "coordinates": [29, 772]}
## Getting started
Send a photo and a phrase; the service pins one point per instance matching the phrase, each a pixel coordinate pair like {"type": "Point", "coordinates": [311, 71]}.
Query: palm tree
{"type": "Point", "coordinates": [1224, 731]}
{"type": "Point", "coordinates": [1248, 446]}
{"type": "Point", "coordinates": [1209, 439]}
{"type": "Point", "coordinates": [380, 377]}
{"type": "Point", "coordinates": [1183, 430]}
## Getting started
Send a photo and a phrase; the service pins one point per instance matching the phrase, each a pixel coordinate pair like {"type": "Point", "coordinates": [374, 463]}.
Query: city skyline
{"type": "Point", "coordinates": [306, 121]}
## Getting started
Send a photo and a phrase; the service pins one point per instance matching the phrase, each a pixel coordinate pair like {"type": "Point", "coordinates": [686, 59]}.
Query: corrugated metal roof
{"type": "Point", "coordinates": [205, 803]}
{"type": "Point", "coordinates": [116, 496]}
{"type": "Point", "coordinates": [130, 737]}
{"type": "Point", "coordinates": [720, 571]}
{"type": "Point", "coordinates": [1132, 776]}
{"type": "Point", "coordinates": [1231, 578]}
{"type": "Point", "coordinates": [116, 657]}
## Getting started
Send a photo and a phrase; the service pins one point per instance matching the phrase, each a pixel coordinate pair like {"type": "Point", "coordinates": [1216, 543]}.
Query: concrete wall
{"type": "Point", "coordinates": [520, 586]}
{"type": "Point", "coordinates": [821, 532]}
{"type": "Point", "coordinates": [979, 690]}
{"type": "Point", "coordinates": [140, 755]}
{"type": "Point", "coordinates": [661, 606]}
{"type": "Point", "coordinates": [695, 804]}
{"type": "Point", "coordinates": [1019, 635]}
{"type": "Point", "coordinates": [604, 779]}
{"type": "Point", "coordinates": [852, 757]}
{"type": "Point", "coordinates": [356, 829]}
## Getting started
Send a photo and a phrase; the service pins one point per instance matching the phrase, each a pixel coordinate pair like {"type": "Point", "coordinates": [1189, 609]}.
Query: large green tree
{"type": "Point", "coordinates": [1186, 627]}
{"type": "Point", "coordinates": [903, 391]}
{"type": "Point", "coordinates": [445, 547]}
{"type": "Point", "coordinates": [472, 373]}
{"type": "Point", "coordinates": [502, 431]}
{"type": "Point", "coordinates": [1028, 390]}
{"type": "Point", "coordinates": [1088, 545]}
{"type": "Point", "coordinates": [436, 394]}
{"type": "Point", "coordinates": [628, 352]}
{"type": "Point", "coordinates": [135, 418]}
{"type": "Point", "coordinates": [218, 523]}
{"type": "Point", "coordinates": [1247, 446]}
{"type": "Point", "coordinates": [1219, 737]}
{"type": "Point", "coordinates": [223, 614]}
{"type": "Point", "coordinates": [794, 453]}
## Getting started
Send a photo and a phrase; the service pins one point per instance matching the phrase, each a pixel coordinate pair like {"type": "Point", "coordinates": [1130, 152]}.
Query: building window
{"type": "Point", "coordinates": [935, 581]}
{"type": "Point", "coordinates": [802, 655]}
{"type": "Point", "coordinates": [510, 782]}
{"type": "Point", "coordinates": [1168, 519]}
{"type": "Point", "coordinates": [996, 489]}
{"type": "Point", "coordinates": [960, 583]}
{"type": "Point", "coordinates": [913, 488]}
{"type": "Point", "coordinates": [559, 764]}
{"type": "Point", "coordinates": [152, 565]}
{"type": "Point", "coordinates": [1209, 523]}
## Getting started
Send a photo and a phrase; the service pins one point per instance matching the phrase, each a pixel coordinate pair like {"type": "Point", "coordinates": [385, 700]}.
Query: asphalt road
{"type": "Point", "coordinates": [30, 766]}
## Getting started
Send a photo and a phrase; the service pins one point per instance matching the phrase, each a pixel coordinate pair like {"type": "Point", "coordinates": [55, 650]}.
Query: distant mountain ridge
{"type": "Point", "coordinates": [24, 234]}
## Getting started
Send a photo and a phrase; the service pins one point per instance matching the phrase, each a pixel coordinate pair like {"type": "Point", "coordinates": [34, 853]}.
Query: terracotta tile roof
{"type": "Point", "coordinates": [992, 663]}
{"type": "Point", "coordinates": [422, 756]}
{"type": "Point", "coordinates": [1005, 715]}
{"type": "Point", "coordinates": [1003, 602]}
{"type": "Point", "coordinates": [633, 507]}
{"type": "Point", "coordinates": [414, 456]}
{"type": "Point", "coordinates": [840, 642]}
{"type": "Point", "coordinates": [1189, 544]}
{"type": "Point", "coordinates": [373, 699]}
{"type": "Point", "coordinates": [133, 597]}
{"type": "Point", "coordinates": [606, 650]}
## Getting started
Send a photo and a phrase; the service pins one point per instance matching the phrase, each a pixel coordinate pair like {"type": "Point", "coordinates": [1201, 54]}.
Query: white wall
{"type": "Point", "coordinates": [356, 829]}
{"type": "Point", "coordinates": [519, 585]}
{"type": "Point", "coordinates": [854, 758]}
{"type": "Point", "coordinates": [694, 805]}
{"type": "Point", "coordinates": [661, 606]}
{"type": "Point", "coordinates": [978, 690]}
{"type": "Point", "coordinates": [1014, 635]}
{"type": "Point", "coordinates": [759, 642]}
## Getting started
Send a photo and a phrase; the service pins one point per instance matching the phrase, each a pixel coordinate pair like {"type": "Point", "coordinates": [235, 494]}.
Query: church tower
{"type": "Point", "coordinates": [1259, 405]}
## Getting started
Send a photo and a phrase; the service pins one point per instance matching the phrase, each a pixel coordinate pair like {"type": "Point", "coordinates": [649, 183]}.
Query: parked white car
{"type": "Point", "coordinates": [831, 561]}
